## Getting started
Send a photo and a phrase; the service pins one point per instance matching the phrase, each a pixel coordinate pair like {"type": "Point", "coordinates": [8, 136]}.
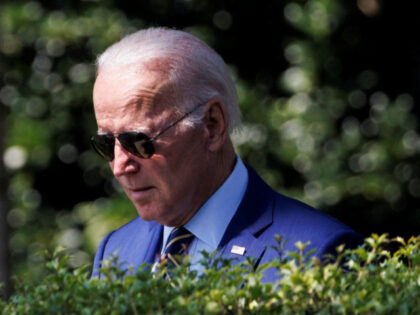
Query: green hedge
{"type": "Point", "coordinates": [370, 279]}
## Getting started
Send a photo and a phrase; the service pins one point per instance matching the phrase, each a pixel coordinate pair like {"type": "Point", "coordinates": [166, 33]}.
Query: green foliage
{"type": "Point", "coordinates": [366, 280]}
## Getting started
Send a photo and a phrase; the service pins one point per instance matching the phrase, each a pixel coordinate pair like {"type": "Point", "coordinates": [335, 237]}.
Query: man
{"type": "Point", "coordinates": [164, 105]}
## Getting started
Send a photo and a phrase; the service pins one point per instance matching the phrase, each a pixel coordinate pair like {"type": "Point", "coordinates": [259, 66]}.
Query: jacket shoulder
{"type": "Point", "coordinates": [129, 243]}
{"type": "Point", "coordinates": [296, 221]}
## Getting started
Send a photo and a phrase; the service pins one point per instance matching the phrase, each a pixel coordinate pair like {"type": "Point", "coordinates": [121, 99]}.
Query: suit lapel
{"type": "Point", "coordinates": [156, 234]}
{"type": "Point", "coordinates": [254, 215]}
{"type": "Point", "coordinates": [251, 246]}
{"type": "Point", "coordinates": [145, 244]}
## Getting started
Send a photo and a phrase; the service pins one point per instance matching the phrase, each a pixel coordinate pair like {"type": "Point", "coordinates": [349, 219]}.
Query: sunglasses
{"type": "Point", "coordinates": [137, 143]}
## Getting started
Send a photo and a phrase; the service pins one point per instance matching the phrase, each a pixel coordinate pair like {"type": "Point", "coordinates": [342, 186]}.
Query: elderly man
{"type": "Point", "coordinates": [165, 105]}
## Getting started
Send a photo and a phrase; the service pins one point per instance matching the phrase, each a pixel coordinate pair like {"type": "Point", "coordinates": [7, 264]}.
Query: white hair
{"type": "Point", "coordinates": [197, 73]}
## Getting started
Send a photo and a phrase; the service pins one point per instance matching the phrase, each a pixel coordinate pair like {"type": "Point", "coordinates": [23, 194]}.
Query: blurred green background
{"type": "Point", "coordinates": [328, 90]}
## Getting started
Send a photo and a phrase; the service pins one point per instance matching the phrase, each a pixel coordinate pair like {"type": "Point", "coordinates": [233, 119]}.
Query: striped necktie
{"type": "Point", "coordinates": [177, 244]}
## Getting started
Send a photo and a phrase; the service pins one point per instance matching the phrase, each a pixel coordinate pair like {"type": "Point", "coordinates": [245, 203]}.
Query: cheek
{"type": "Point", "coordinates": [177, 166]}
{"type": "Point", "coordinates": [190, 154]}
{"type": "Point", "coordinates": [171, 179]}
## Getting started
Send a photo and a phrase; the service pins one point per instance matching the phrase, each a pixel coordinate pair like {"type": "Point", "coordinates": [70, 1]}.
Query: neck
{"type": "Point", "coordinates": [225, 163]}
{"type": "Point", "coordinates": [222, 164]}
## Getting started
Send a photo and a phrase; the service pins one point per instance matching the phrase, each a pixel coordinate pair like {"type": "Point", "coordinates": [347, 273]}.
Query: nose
{"type": "Point", "coordinates": [123, 162]}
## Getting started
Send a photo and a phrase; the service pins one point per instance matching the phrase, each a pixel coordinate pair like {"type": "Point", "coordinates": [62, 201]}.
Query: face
{"type": "Point", "coordinates": [168, 187]}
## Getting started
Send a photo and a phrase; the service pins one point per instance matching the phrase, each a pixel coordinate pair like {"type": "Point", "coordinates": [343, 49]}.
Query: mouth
{"type": "Point", "coordinates": [140, 192]}
{"type": "Point", "coordinates": [140, 189]}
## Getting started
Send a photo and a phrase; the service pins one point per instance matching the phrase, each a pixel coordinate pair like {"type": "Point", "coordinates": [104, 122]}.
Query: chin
{"type": "Point", "coordinates": [145, 216]}
{"type": "Point", "coordinates": [147, 213]}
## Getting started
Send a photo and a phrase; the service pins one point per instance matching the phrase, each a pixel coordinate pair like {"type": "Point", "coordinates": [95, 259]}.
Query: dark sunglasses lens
{"type": "Point", "coordinates": [137, 143]}
{"type": "Point", "coordinates": [104, 146]}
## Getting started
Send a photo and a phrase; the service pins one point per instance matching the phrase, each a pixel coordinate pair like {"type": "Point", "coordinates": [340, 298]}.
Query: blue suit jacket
{"type": "Point", "coordinates": [262, 214]}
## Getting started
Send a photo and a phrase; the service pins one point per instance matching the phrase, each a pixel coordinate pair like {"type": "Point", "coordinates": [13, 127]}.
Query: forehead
{"type": "Point", "coordinates": [128, 98]}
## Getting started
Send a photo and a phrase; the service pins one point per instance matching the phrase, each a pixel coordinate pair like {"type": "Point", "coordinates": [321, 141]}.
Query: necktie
{"type": "Point", "coordinates": [178, 242]}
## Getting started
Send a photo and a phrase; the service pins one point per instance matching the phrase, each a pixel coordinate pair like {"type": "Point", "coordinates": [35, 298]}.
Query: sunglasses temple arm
{"type": "Point", "coordinates": [175, 122]}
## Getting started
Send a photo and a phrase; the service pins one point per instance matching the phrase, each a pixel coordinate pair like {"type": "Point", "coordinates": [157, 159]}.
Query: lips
{"type": "Point", "coordinates": [140, 192]}
{"type": "Point", "coordinates": [140, 189]}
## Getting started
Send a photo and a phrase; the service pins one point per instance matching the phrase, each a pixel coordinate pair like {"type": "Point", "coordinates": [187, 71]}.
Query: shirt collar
{"type": "Point", "coordinates": [211, 220]}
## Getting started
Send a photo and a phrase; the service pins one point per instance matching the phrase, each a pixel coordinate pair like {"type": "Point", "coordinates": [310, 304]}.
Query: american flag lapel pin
{"type": "Point", "coordinates": [238, 250]}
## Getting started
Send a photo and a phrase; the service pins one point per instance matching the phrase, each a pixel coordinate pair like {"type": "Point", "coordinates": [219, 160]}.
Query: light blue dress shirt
{"type": "Point", "coordinates": [211, 221]}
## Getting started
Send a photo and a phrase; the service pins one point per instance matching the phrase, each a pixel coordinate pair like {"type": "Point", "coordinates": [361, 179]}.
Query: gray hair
{"type": "Point", "coordinates": [196, 72]}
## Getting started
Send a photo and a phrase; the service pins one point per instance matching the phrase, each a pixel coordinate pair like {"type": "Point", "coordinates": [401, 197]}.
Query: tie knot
{"type": "Point", "coordinates": [178, 241]}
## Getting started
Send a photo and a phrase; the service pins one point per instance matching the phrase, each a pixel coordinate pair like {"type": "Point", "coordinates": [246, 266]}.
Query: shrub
{"type": "Point", "coordinates": [370, 279]}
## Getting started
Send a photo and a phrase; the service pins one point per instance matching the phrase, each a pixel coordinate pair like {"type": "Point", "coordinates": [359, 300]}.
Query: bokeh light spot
{"type": "Point", "coordinates": [16, 218]}
{"type": "Point", "coordinates": [55, 47]}
{"type": "Point", "coordinates": [293, 12]}
{"type": "Point", "coordinates": [36, 107]}
{"type": "Point", "coordinates": [294, 53]}
{"type": "Point", "coordinates": [70, 238]}
{"type": "Point", "coordinates": [222, 20]}
{"type": "Point", "coordinates": [15, 157]}
{"type": "Point", "coordinates": [42, 63]}
{"type": "Point", "coordinates": [10, 44]}
{"type": "Point", "coordinates": [368, 7]}
{"type": "Point", "coordinates": [31, 198]}
{"type": "Point", "coordinates": [80, 73]}
{"type": "Point", "coordinates": [68, 153]}
{"type": "Point", "coordinates": [8, 95]}
{"type": "Point", "coordinates": [296, 79]}
{"type": "Point", "coordinates": [357, 99]}
{"type": "Point", "coordinates": [33, 10]}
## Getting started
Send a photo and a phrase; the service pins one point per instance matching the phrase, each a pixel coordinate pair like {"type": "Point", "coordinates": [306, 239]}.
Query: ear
{"type": "Point", "coordinates": [216, 124]}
